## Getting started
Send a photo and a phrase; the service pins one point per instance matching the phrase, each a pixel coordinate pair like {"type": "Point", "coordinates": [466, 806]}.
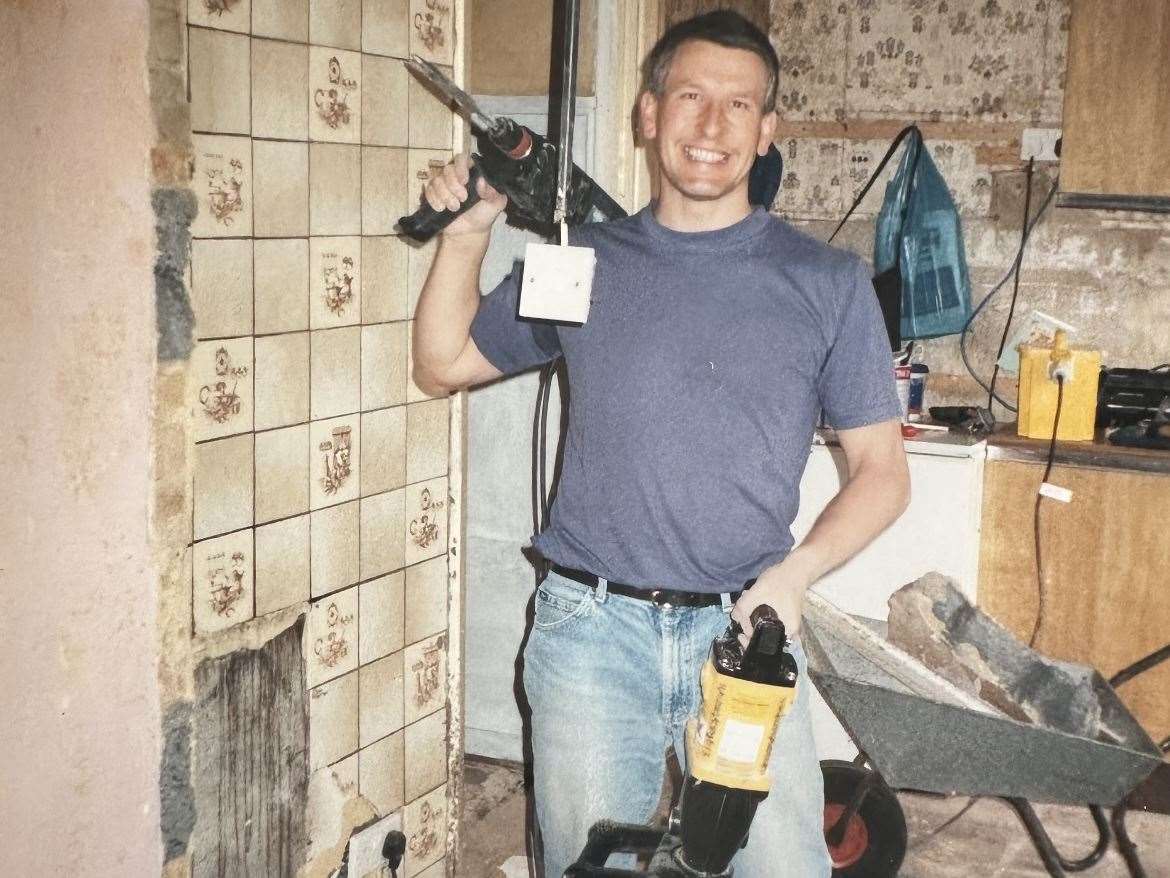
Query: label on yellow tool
{"type": "Point", "coordinates": [731, 741]}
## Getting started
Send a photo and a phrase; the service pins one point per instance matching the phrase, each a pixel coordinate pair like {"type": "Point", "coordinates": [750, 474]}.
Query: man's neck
{"type": "Point", "coordinates": [682, 214]}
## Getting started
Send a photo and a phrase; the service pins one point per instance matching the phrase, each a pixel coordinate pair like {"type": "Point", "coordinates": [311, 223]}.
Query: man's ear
{"type": "Point", "coordinates": [648, 115]}
{"type": "Point", "coordinates": [767, 132]}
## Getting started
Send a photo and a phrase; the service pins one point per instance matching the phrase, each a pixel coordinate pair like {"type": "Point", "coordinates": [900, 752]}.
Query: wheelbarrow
{"type": "Point", "coordinates": [915, 730]}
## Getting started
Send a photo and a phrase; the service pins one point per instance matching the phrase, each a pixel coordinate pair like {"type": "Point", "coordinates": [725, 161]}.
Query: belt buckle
{"type": "Point", "coordinates": [657, 596]}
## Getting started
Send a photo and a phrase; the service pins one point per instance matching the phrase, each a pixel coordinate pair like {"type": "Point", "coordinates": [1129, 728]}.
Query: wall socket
{"type": "Point", "coordinates": [1041, 144]}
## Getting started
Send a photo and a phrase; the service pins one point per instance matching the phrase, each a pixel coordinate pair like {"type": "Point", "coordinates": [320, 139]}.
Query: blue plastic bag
{"type": "Point", "coordinates": [918, 229]}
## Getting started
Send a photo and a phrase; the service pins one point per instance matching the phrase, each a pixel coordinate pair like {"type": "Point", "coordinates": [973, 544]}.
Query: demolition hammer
{"type": "Point", "coordinates": [514, 160]}
{"type": "Point", "coordinates": [745, 695]}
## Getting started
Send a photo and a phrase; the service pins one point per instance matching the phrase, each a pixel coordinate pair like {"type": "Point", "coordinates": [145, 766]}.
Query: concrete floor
{"type": "Point", "coordinates": [988, 842]}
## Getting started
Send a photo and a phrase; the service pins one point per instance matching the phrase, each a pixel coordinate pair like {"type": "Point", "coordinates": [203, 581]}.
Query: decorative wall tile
{"type": "Point", "coordinates": [282, 19]}
{"type": "Point", "coordinates": [335, 189]}
{"type": "Point", "coordinates": [384, 190]}
{"type": "Point", "coordinates": [384, 291]}
{"type": "Point", "coordinates": [427, 426]}
{"type": "Point", "coordinates": [223, 14]}
{"type": "Point", "coordinates": [381, 694]}
{"type": "Point", "coordinates": [384, 102]}
{"type": "Point", "coordinates": [381, 773]}
{"type": "Point", "coordinates": [282, 285]}
{"type": "Point", "coordinates": [813, 174]}
{"type": "Point", "coordinates": [333, 721]}
{"type": "Point", "coordinates": [221, 287]}
{"type": "Point", "coordinates": [334, 548]}
{"type": "Point", "coordinates": [426, 754]}
{"type": "Point", "coordinates": [426, 599]}
{"type": "Point", "coordinates": [426, 516]}
{"type": "Point", "coordinates": [280, 78]}
{"type": "Point", "coordinates": [418, 261]}
{"type": "Point", "coordinates": [336, 23]}
{"type": "Point", "coordinates": [430, 119]}
{"type": "Point", "coordinates": [424, 823]}
{"type": "Point", "coordinates": [223, 485]}
{"type": "Point", "coordinates": [282, 380]}
{"type": "Point", "coordinates": [384, 367]}
{"type": "Point", "coordinates": [383, 450]}
{"type": "Point", "coordinates": [425, 667]}
{"type": "Point", "coordinates": [334, 460]}
{"type": "Point", "coordinates": [280, 189]}
{"type": "Point", "coordinates": [219, 81]}
{"type": "Point", "coordinates": [331, 637]}
{"type": "Point", "coordinates": [812, 82]}
{"type": "Point", "coordinates": [431, 34]}
{"type": "Point", "coordinates": [282, 473]}
{"type": "Point", "coordinates": [336, 370]}
{"type": "Point", "coordinates": [381, 616]}
{"type": "Point", "coordinates": [223, 186]}
{"type": "Point", "coordinates": [383, 533]}
{"type": "Point", "coordinates": [282, 564]}
{"type": "Point", "coordinates": [335, 96]}
{"type": "Point", "coordinates": [222, 581]}
{"type": "Point", "coordinates": [335, 281]}
{"type": "Point", "coordinates": [221, 387]}
{"type": "Point", "coordinates": [386, 27]}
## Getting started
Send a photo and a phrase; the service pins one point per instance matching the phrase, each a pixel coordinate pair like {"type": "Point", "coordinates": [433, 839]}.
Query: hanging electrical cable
{"type": "Point", "coordinates": [995, 289]}
{"type": "Point", "coordinates": [1007, 324]}
{"type": "Point", "coordinates": [1040, 592]}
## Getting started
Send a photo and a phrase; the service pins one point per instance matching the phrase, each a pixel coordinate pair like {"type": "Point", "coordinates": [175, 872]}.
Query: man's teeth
{"type": "Point", "coordinates": [704, 155]}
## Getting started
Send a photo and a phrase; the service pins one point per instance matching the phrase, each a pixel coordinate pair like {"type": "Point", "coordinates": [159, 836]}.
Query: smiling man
{"type": "Point", "coordinates": [716, 335]}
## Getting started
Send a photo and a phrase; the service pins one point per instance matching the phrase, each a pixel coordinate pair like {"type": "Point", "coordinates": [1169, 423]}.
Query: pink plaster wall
{"type": "Point", "coordinates": [78, 682]}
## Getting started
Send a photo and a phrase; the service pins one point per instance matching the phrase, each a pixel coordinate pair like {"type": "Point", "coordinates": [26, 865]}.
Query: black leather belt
{"type": "Point", "coordinates": [662, 597]}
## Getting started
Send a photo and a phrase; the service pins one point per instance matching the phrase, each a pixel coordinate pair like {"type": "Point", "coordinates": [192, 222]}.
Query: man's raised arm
{"type": "Point", "coordinates": [445, 357]}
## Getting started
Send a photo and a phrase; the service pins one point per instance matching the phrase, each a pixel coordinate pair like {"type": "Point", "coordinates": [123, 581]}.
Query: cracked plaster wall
{"type": "Point", "coordinates": [78, 638]}
{"type": "Point", "coordinates": [973, 73]}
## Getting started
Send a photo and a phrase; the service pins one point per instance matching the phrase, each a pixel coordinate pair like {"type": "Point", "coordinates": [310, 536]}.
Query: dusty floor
{"type": "Point", "coordinates": [988, 842]}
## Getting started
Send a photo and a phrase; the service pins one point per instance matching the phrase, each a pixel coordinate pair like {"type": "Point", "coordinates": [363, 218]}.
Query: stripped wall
{"type": "Point", "coordinates": [973, 74]}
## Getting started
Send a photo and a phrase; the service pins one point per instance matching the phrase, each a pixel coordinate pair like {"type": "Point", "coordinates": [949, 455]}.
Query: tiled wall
{"type": "Point", "coordinates": [321, 470]}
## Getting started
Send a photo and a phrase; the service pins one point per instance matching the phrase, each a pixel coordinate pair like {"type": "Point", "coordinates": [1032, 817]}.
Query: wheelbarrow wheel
{"type": "Point", "coordinates": [874, 841]}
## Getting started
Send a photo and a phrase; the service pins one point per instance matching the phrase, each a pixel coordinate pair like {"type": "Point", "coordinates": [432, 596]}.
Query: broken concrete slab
{"type": "Point", "coordinates": [931, 620]}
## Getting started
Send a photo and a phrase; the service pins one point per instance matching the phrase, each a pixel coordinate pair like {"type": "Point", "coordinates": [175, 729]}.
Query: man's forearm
{"type": "Point", "coordinates": [447, 304]}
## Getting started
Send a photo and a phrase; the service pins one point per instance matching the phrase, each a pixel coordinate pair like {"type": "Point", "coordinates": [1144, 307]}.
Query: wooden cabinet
{"type": "Point", "coordinates": [1116, 139]}
{"type": "Point", "coordinates": [1106, 562]}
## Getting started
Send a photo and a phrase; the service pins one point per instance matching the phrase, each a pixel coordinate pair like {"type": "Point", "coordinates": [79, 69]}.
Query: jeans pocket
{"type": "Point", "coordinates": [559, 600]}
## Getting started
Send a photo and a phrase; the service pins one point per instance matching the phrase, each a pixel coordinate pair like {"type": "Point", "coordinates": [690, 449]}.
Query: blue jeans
{"type": "Point", "coordinates": [612, 681]}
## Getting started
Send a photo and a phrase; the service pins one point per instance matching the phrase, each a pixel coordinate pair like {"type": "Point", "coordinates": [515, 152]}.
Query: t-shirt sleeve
{"type": "Point", "coordinates": [856, 383]}
{"type": "Point", "coordinates": [509, 342]}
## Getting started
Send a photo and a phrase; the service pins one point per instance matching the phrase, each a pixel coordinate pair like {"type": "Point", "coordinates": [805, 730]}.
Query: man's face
{"type": "Point", "coordinates": [709, 124]}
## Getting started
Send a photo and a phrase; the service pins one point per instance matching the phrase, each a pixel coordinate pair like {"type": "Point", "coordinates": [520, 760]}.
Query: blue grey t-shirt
{"type": "Point", "coordinates": [694, 389]}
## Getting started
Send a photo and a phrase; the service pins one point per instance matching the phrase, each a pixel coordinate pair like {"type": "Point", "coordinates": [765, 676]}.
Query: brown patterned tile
{"type": "Point", "coordinates": [811, 41]}
{"type": "Point", "coordinates": [331, 637]}
{"type": "Point", "coordinates": [221, 387]}
{"type": "Point", "coordinates": [812, 184]}
{"type": "Point", "coordinates": [425, 667]}
{"type": "Point", "coordinates": [334, 460]}
{"type": "Point", "coordinates": [335, 281]}
{"type": "Point", "coordinates": [335, 95]}
{"type": "Point", "coordinates": [427, 506]}
{"type": "Point", "coordinates": [425, 824]}
{"type": "Point", "coordinates": [222, 184]}
{"type": "Point", "coordinates": [432, 30]}
{"type": "Point", "coordinates": [222, 578]}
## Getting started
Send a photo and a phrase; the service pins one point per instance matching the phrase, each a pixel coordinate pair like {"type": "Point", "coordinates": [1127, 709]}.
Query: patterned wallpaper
{"type": "Point", "coordinates": [320, 468]}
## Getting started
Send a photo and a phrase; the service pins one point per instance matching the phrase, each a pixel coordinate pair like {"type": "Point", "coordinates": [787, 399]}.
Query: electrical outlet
{"type": "Point", "coordinates": [1041, 144]}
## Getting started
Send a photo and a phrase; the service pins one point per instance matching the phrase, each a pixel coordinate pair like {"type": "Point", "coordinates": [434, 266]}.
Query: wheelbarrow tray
{"type": "Point", "coordinates": [922, 732]}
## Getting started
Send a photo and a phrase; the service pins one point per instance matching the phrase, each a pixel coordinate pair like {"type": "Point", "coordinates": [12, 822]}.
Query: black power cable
{"type": "Point", "coordinates": [1040, 594]}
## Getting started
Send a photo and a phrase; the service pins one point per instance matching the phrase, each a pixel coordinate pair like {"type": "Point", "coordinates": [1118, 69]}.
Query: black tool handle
{"type": "Point", "coordinates": [426, 222]}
